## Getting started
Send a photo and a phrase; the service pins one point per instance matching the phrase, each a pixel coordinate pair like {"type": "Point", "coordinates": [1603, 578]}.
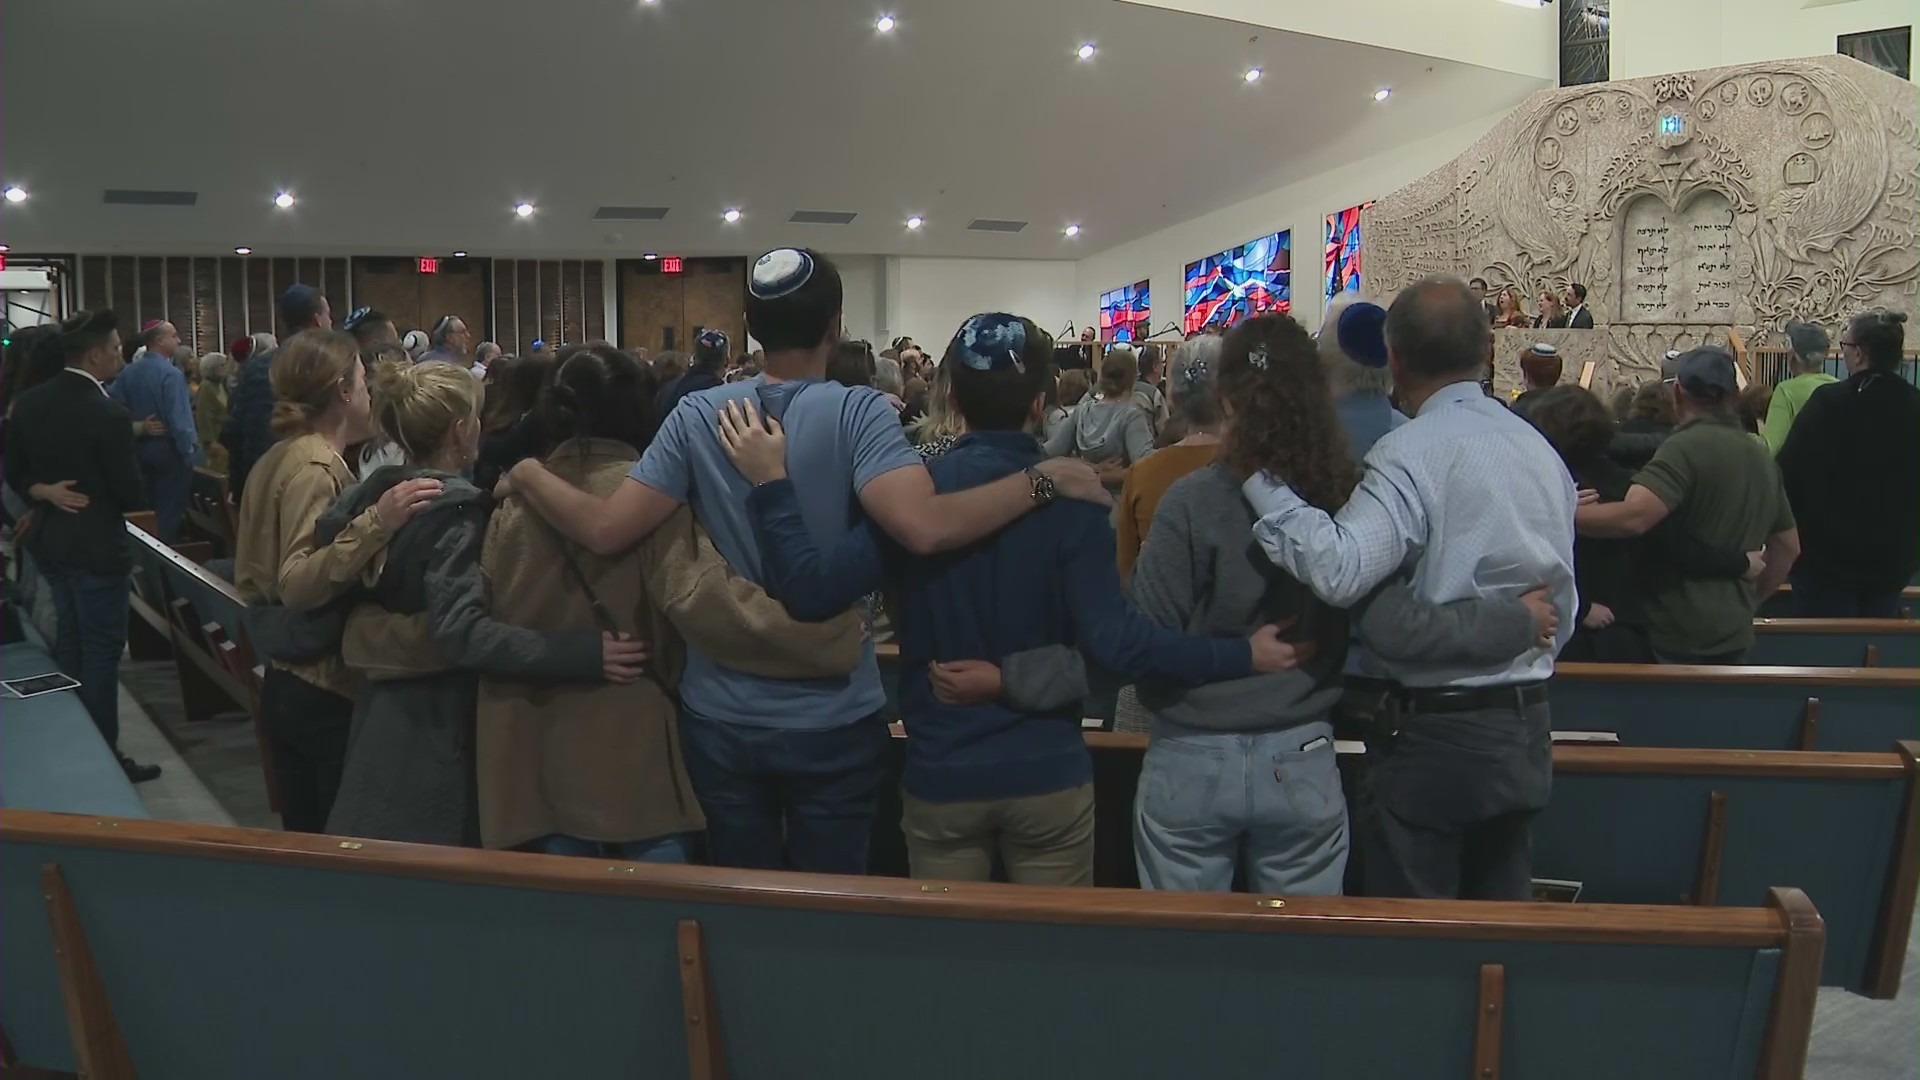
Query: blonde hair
{"type": "Point", "coordinates": [307, 375]}
{"type": "Point", "coordinates": [416, 405]}
{"type": "Point", "coordinates": [942, 418]}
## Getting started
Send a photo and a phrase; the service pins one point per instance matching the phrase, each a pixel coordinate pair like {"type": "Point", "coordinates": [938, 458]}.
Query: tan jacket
{"type": "Point", "coordinates": [603, 763]}
{"type": "Point", "coordinates": [275, 560]}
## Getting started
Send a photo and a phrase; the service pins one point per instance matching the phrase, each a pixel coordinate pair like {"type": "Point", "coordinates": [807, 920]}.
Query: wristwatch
{"type": "Point", "coordinates": [1043, 490]}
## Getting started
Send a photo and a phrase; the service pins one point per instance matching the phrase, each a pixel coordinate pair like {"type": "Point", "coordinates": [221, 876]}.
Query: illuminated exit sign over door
{"type": "Point", "coordinates": [670, 264]}
{"type": "Point", "coordinates": [429, 265]}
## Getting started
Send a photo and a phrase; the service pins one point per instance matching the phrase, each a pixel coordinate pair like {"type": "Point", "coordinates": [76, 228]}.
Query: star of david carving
{"type": "Point", "coordinates": [1673, 173]}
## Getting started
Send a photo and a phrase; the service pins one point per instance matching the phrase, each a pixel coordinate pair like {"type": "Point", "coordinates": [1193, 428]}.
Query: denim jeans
{"type": "Point", "coordinates": [777, 799]}
{"type": "Point", "coordinates": [673, 848]}
{"type": "Point", "coordinates": [1813, 599]}
{"type": "Point", "coordinates": [1210, 801]}
{"type": "Point", "coordinates": [91, 611]}
{"type": "Point", "coordinates": [168, 480]}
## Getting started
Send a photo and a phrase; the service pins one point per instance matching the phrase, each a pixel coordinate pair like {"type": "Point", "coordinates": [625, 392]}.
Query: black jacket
{"type": "Point", "coordinates": [66, 429]}
{"type": "Point", "coordinates": [1851, 467]}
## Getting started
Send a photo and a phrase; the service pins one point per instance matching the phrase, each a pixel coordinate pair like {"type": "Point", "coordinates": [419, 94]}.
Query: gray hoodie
{"type": "Point", "coordinates": [1100, 430]}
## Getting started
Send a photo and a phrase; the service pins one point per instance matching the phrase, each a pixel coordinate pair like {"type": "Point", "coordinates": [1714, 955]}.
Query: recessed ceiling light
{"type": "Point", "coordinates": [524, 209]}
{"type": "Point", "coordinates": [1085, 52]}
{"type": "Point", "coordinates": [15, 193]}
{"type": "Point", "coordinates": [284, 200]}
{"type": "Point", "coordinates": [459, 254]}
{"type": "Point", "coordinates": [732, 215]}
{"type": "Point", "coordinates": [1253, 74]}
{"type": "Point", "coordinates": [1072, 230]}
{"type": "Point", "coordinates": [915, 221]}
{"type": "Point", "coordinates": [649, 3]}
{"type": "Point", "coordinates": [884, 24]}
{"type": "Point", "coordinates": [650, 256]}
{"type": "Point", "coordinates": [243, 251]}
{"type": "Point", "coordinates": [1383, 93]}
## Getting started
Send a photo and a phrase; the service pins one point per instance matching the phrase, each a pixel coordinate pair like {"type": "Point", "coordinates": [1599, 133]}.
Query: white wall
{"type": "Point", "coordinates": [1653, 37]}
{"type": "Point", "coordinates": [929, 298]}
{"type": "Point", "coordinates": [1302, 207]}
{"type": "Point", "coordinates": [863, 281]}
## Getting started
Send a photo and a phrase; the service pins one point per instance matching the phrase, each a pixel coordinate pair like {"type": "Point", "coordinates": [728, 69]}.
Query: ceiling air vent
{"type": "Point", "coordinates": [995, 225]}
{"type": "Point", "coordinates": [821, 217]}
{"type": "Point", "coordinates": [124, 197]}
{"type": "Point", "coordinates": [630, 213]}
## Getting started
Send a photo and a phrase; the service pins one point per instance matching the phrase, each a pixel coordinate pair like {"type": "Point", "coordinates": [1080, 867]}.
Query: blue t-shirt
{"type": "Point", "coordinates": [838, 440]}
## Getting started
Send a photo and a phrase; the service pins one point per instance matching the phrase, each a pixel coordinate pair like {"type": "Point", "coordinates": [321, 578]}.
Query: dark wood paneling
{"type": "Point", "coordinates": [122, 291]}
{"type": "Point", "coordinates": [550, 302]}
{"type": "Point", "coordinates": [313, 273]}
{"type": "Point", "coordinates": [391, 286]}
{"type": "Point", "coordinates": [285, 273]}
{"type": "Point", "coordinates": [260, 315]}
{"type": "Point", "coordinates": [179, 297]}
{"type": "Point", "coordinates": [233, 301]}
{"type": "Point", "coordinates": [335, 286]}
{"type": "Point", "coordinates": [93, 283]}
{"type": "Point", "coordinates": [593, 274]}
{"type": "Point", "coordinates": [151, 284]}
{"type": "Point", "coordinates": [650, 310]}
{"type": "Point", "coordinates": [716, 296]}
{"type": "Point", "coordinates": [526, 277]}
{"type": "Point", "coordinates": [506, 316]}
{"type": "Point", "coordinates": [208, 333]}
{"type": "Point", "coordinates": [571, 326]}
{"type": "Point", "coordinates": [455, 293]}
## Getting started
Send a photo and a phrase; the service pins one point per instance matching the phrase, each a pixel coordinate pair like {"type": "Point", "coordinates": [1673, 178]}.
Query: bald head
{"type": "Point", "coordinates": [1437, 332]}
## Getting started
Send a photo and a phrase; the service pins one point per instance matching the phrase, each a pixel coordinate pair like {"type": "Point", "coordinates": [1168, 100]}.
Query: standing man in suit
{"type": "Point", "coordinates": [154, 393]}
{"type": "Point", "coordinates": [1578, 316]}
{"type": "Point", "coordinates": [1478, 287]}
{"type": "Point", "coordinates": [70, 448]}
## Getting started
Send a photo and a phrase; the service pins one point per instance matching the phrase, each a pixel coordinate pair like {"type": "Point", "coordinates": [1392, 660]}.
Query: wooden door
{"type": "Point", "coordinates": [416, 301]}
{"type": "Point", "coordinates": [664, 311]}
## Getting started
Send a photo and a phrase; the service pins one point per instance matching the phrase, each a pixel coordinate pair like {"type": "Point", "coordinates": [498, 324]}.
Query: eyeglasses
{"type": "Point", "coordinates": [1845, 344]}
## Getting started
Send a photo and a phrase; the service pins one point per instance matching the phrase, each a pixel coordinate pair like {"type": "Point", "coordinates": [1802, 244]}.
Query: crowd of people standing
{"type": "Point", "coordinates": [587, 602]}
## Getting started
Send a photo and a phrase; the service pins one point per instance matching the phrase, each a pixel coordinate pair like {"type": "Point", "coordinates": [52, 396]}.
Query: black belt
{"type": "Point", "coordinates": [1448, 699]}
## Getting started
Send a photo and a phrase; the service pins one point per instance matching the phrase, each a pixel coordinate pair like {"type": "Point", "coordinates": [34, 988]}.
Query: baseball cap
{"type": "Point", "coordinates": [1706, 374]}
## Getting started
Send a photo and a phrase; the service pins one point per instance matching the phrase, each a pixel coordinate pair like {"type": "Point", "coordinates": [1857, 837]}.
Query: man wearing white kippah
{"type": "Point", "coordinates": [789, 772]}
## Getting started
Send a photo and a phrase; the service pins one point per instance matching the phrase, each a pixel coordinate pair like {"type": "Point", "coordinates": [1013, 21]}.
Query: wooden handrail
{"type": "Point", "coordinates": [1898, 678]}
{"type": "Point", "coordinates": [185, 565]}
{"type": "Point", "coordinates": [1341, 916]}
{"type": "Point", "coordinates": [1836, 626]}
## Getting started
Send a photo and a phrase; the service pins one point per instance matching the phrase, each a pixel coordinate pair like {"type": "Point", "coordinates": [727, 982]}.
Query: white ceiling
{"type": "Point", "coordinates": [412, 126]}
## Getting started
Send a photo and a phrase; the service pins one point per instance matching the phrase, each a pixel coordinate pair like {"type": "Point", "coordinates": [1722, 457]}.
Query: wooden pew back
{"type": "Point", "coordinates": [440, 962]}
{"type": "Point", "coordinates": [1744, 708]}
{"type": "Point", "coordinates": [1836, 642]}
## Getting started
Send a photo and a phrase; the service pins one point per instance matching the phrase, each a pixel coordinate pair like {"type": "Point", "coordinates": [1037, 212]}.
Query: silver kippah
{"type": "Point", "coordinates": [779, 272]}
{"type": "Point", "coordinates": [1541, 348]}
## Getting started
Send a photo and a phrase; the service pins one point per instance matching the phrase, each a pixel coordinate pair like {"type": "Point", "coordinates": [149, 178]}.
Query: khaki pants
{"type": "Point", "coordinates": [1041, 839]}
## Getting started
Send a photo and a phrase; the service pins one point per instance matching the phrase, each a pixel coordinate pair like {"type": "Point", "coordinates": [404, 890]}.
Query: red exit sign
{"type": "Point", "coordinates": [671, 264]}
{"type": "Point", "coordinates": [429, 265]}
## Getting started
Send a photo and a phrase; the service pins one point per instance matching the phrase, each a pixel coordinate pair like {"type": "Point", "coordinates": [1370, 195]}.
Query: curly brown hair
{"type": "Point", "coordinates": [1283, 418]}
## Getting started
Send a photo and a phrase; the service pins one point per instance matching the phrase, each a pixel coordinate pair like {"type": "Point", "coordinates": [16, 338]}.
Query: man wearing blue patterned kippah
{"type": "Point", "coordinates": [788, 772]}
{"type": "Point", "coordinates": [988, 778]}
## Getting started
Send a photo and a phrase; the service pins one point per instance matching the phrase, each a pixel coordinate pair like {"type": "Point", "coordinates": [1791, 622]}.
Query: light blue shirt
{"type": "Point", "coordinates": [838, 440]}
{"type": "Point", "coordinates": [1467, 496]}
{"type": "Point", "coordinates": [152, 387]}
{"type": "Point", "coordinates": [1367, 415]}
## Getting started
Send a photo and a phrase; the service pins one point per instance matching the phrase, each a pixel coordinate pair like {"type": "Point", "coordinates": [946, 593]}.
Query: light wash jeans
{"type": "Point", "coordinates": [1209, 801]}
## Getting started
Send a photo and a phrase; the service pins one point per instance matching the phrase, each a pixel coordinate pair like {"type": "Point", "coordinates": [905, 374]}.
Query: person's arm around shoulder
{"type": "Point", "coordinates": [898, 493]}
{"type": "Point", "coordinates": [1122, 640]}
{"type": "Point", "coordinates": [611, 525]}
{"type": "Point", "coordinates": [461, 618]}
{"type": "Point", "coordinates": [1656, 491]}
{"type": "Point", "coordinates": [730, 618]}
{"type": "Point", "coordinates": [1401, 627]}
{"type": "Point", "coordinates": [1341, 557]}
{"type": "Point", "coordinates": [312, 574]}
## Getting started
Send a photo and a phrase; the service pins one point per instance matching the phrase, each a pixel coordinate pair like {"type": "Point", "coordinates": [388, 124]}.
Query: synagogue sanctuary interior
{"type": "Point", "coordinates": [1014, 539]}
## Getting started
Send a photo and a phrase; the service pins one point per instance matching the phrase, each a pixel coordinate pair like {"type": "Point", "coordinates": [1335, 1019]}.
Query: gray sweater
{"type": "Point", "coordinates": [1200, 571]}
